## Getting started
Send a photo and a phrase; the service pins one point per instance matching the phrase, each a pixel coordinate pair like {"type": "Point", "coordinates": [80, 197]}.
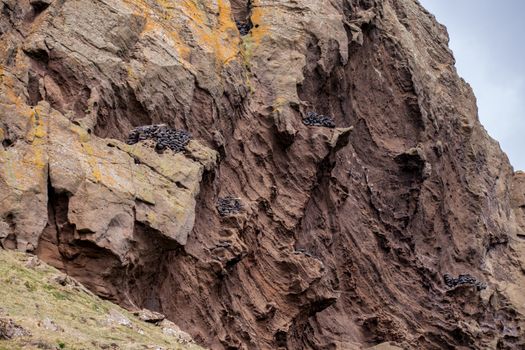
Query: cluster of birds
{"type": "Point", "coordinates": [176, 140]}
{"type": "Point", "coordinates": [314, 119]}
{"type": "Point", "coordinates": [244, 28]}
{"type": "Point", "coordinates": [164, 137]}
{"type": "Point", "coordinates": [452, 282]}
{"type": "Point", "coordinates": [228, 205]}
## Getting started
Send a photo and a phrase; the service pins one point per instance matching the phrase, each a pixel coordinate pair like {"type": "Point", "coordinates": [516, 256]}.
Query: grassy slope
{"type": "Point", "coordinates": [29, 295]}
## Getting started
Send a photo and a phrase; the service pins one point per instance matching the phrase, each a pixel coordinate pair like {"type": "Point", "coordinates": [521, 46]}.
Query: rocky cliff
{"type": "Point", "coordinates": [337, 190]}
{"type": "Point", "coordinates": [42, 308]}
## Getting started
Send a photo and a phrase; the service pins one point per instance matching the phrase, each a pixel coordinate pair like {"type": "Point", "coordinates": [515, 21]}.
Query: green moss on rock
{"type": "Point", "coordinates": [46, 310]}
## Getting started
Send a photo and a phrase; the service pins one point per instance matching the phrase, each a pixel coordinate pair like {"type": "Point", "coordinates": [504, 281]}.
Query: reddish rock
{"type": "Point", "coordinates": [345, 234]}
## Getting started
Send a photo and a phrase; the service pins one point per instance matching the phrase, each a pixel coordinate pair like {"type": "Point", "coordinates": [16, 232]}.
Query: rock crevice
{"type": "Point", "coordinates": [336, 173]}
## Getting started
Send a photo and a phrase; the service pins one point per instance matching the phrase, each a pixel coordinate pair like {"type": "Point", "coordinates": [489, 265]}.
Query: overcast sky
{"type": "Point", "coordinates": [488, 40]}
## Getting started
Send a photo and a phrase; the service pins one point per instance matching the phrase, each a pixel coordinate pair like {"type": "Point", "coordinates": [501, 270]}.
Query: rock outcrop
{"type": "Point", "coordinates": [45, 309]}
{"type": "Point", "coordinates": [333, 238]}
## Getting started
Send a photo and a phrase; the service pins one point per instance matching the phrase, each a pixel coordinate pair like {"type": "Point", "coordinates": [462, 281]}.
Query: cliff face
{"type": "Point", "coordinates": [346, 237]}
{"type": "Point", "coordinates": [45, 309]}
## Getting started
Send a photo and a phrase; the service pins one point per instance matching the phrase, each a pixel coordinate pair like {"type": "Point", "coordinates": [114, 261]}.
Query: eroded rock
{"type": "Point", "coordinates": [171, 329]}
{"type": "Point", "coordinates": [116, 318]}
{"type": "Point", "coordinates": [149, 316]}
{"type": "Point", "coordinates": [418, 189]}
{"type": "Point", "coordinates": [9, 329]}
{"type": "Point", "coordinates": [50, 325]}
{"type": "Point", "coordinates": [98, 195]}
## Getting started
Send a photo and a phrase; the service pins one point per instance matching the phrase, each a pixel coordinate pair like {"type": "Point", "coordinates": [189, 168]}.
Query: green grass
{"type": "Point", "coordinates": [29, 295]}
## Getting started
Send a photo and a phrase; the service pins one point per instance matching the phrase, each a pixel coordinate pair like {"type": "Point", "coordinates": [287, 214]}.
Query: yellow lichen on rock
{"type": "Point", "coordinates": [92, 161]}
{"type": "Point", "coordinates": [24, 167]}
{"type": "Point", "coordinates": [227, 43]}
{"type": "Point", "coordinates": [213, 28]}
{"type": "Point", "coordinates": [261, 26]}
{"type": "Point", "coordinates": [9, 95]}
{"type": "Point", "coordinates": [159, 189]}
{"type": "Point", "coordinates": [210, 25]}
{"type": "Point", "coordinates": [106, 180]}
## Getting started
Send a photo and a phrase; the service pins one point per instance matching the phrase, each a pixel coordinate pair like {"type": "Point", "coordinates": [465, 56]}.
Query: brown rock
{"type": "Point", "coordinates": [385, 346]}
{"type": "Point", "coordinates": [10, 330]}
{"type": "Point", "coordinates": [344, 237]}
{"type": "Point", "coordinates": [116, 318]}
{"type": "Point", "coordinates": [149, 316]}
{"type": "Point", "coordinates": [50, 325]}
{"type": "Point", "coordinates": [171, 329]}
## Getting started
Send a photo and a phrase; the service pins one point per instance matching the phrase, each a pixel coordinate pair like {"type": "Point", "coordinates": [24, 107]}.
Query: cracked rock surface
{"type": "Point", "coordinates": [345, 233]}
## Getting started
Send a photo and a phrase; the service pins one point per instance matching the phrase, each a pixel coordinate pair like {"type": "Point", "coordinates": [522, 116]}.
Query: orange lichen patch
{"type": "Point", "coordinates": [183, 50]}
{"type": "Point", "coordinates": [24, 166]}
{"type": "Point", "coordinates": [221, 37]}
{"type": "Point", "coordinates": [23, 169]}
{"type": "Point", "coordinates": [162, 20]}
{"type": "Point", "coordinates": [33, 156]}
{"type": "Point", "coordinates": [23, 163]}
{"type": "Point", "coordinates": [225, 15]}
{"type": "Point", "coordinates": [83, 135]}
{"type": "Point", "coordinates": [195, 13]}
{"type": "Point", "coordinates": [209, 26]}
{"type": "Point", "coordinates": [38, 128]}
{"type": "Point", "coordinates": [37, 136]}
{"type": "Point", "coordinates": [228, 34]}
{"type": "Point", "coordinates": [261, 27]}
{"type": "Point", "coordinates": [7, 90]}
{"type": "Point", "coordinates": [213, 28]}
{"type": "Point", "coordinates": [37, 159]}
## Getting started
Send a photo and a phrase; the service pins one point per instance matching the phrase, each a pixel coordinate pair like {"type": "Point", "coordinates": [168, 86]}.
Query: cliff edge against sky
{"type": "Point", "coordinates": [321, 181]}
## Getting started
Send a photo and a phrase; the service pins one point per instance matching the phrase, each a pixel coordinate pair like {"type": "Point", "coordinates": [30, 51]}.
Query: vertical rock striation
{"type": "Point", "coordinates": [341, 238]}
